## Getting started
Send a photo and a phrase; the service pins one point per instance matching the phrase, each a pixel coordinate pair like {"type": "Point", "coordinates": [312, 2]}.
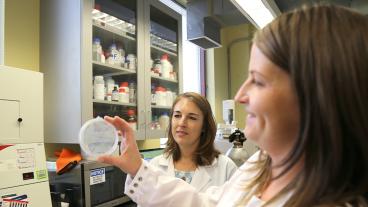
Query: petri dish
{"type": "Point", "coordinates": [98, 137]}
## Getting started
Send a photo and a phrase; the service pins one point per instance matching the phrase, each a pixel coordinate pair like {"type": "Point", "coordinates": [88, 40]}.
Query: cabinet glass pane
{"type": "Point", "coordinates": [164, 65]}
{"type": "Point", "coordinates": [114, 58]}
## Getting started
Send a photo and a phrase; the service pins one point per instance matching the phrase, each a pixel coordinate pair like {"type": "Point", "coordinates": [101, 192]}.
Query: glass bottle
{"type": "Point", "coordinates": [115, 94]}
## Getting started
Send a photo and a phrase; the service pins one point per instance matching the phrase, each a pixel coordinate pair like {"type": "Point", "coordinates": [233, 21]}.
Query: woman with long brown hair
{"type": "Point", "coordinates": [306, 100]}
{"type": "Point", "coordinates": [190, 153]}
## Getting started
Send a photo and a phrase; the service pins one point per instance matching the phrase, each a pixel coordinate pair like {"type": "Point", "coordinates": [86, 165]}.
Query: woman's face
{"type": "Point", "coordinates": [271, 105]}
{"type": "Point", "coordinates": [186, 123]}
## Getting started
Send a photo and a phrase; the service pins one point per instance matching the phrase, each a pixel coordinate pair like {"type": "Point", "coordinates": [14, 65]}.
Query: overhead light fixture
{"type": "Point", "coordinates": [259, 12]}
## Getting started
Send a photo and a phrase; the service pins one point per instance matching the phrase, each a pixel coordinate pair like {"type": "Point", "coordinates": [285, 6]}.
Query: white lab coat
{"type": "Point", "coordinates": [216, 174]}
{"type": "Point", "coordinates": [151, 187]}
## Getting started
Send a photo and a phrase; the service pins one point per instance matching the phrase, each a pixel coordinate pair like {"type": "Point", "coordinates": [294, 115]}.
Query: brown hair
{"type": "Point", "coordinates": [205, 152]}
{"type": "Point", "coordinates": [324, 48]}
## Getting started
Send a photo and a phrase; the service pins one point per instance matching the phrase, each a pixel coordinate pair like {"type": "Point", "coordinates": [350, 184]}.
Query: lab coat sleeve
{"type": "Point", "coordinates": [151, 187]}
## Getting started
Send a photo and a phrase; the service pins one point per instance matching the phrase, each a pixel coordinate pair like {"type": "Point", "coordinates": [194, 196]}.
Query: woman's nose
{"type": "Point", "coordinates": [182, 121]}
{"type": "Point", "coordinates": [242, 94]}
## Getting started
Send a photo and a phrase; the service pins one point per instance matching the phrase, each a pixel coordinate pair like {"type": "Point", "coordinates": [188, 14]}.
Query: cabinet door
{"type": "Point", "coordinates": [164, 63]}
{"type": "Point", "coordinates": [9, 111]}
{"type": "Point", "coordinates": [117, 59]}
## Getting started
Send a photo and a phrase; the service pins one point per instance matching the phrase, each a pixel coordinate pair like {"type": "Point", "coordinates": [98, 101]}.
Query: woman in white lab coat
{"type": "Point", "coordinates": [190, 153]}
{"type": "Point", "coordinates": [306, 100]}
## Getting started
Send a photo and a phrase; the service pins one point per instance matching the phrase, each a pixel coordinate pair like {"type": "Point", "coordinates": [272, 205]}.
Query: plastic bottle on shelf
{"type": "Point", "coordinates": [125, 85]}
{"type": "Point", "coordinates": [164, 120]}
{"type": "Point", "coordinates": [99, 88]}
{"type": "Point", "coordinates": [114, 55]}
{"type": "Point", "coordinates": [123, 95]}
{"type": "Point", "coordinates": [132, 119]}
{"type": "Point", "coordinates": [166, 66]}
{"type": "Point", "coordinates": [132, 92]}
{"type": "Point", "coordinates": [96, 49]}
{"type": "Point", "coordinates": [109, 87]}
{"type": "Point", "coordinates": [160, 96]}
{"type": "Point", "coordinates": [124, 92]}
{"type": "Point", "coordinates": [109, 84]}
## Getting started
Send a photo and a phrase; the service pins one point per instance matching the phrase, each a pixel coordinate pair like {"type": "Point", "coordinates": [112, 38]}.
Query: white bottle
{"type": "Point", "coordinates": [115, 55]}
{"type": "Point", "coordinates": [164, 120]}
{"type": "Point", "coordinates": [166, 66]}
{"type": "Point", "coordinates": [96, 50]}
{"type": "Point", "coordinates": [123, 95]}
{"type": "Point", "coordinates": [99, 88]}
{"type": "Point", "coordinates": [110, 83]}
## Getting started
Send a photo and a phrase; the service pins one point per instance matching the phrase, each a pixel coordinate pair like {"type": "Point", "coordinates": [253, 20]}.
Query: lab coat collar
{"type": "Point", "coordinates": [168, 163]}
{"type": "Point", "coordinates": [200, 177]}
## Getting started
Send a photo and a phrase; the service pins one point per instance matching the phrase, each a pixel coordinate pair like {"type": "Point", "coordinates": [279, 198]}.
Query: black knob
{"type": "Point", "coordinates": [20, 120]}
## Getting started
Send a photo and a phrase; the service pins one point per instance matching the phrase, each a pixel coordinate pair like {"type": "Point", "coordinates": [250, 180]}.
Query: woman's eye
{"type": "Point", "coordinates": [193, 118]}
{"type": "Point", "coordinates": [257, 83]}
{"type": "Point", "coordinates": [176, 115]}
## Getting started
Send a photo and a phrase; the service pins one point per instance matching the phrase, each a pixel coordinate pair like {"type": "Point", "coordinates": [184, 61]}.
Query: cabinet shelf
{"type": "Point", "coordinates": [156, 48]}
{"type": "Point", "coordinates": [165, 79]}
{"type": "Point", "coordinates": [125, 23]}
{"type": "Point", "coordinates": [158, 133]}
{"type": "Point", "coordinates": [116, 31]}
{"type": "Point", "coordinates": [160, 107]}
{"type": "Point", "coordinates": [110, 70]}
{"type": "Point", "coordinates": [113, 103]}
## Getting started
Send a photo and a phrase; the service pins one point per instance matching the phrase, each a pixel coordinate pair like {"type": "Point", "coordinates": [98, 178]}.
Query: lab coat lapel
{"type": "Point", "coordinates": [169, 164]}
{"type": "Point", "coordinates": [201, 178]}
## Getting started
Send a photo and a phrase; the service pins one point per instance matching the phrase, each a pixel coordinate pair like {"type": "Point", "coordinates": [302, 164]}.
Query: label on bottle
{"type": "Point", "coordinates": [115, 96]}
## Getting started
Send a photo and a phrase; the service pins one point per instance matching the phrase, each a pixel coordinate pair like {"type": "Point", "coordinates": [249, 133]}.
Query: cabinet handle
{"type": "Point", "coordinates": [20, 120]}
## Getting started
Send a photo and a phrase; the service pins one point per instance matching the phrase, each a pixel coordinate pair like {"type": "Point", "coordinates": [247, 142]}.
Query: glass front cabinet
{"type": "Point", "coordinates": [109, 57]}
